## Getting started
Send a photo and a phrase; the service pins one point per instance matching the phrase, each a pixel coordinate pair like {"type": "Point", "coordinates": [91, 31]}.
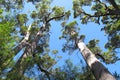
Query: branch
{"type": "Point", "coordinates": [112, 12]}
{"type": "Point", "coordinates": [101, 56]}
{"type": "Point", "coordinates": [24, 42]}
{"type": "Point", "coordinates": [28, 33]}
{"type": "Point", "coordinates": [55, 17]}
{"type": "Point", "coordinates": [30, 48]}
{"type": "Point", "coordinates": [32, 45]}
{"type": "Point", "coordinates": [103, 4]}
{"type": "Point", "coordinates": [45, 71]}
{"type": "Point", "coordinates": [24, 55]}
{"type": "Point", "coordinates": [114, 4]}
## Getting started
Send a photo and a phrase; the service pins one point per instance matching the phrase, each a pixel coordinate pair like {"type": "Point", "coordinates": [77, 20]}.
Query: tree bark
{"type": "Point", "coordinates": [23, 43]}
{"type": "Point", "coordinates": [30, 48]}
{"type": "Point", "coordinates": [99, 71]}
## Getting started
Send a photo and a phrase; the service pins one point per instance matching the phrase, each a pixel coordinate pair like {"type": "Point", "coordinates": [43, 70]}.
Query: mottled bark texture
{"type": "Point", "coordinates": [98, 69]}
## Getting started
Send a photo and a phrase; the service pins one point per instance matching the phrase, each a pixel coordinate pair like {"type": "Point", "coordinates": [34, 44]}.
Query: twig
{"type": "Point", "coordinates": [45, 71]}
{"type": "Point", "coordinates": [56, 17]}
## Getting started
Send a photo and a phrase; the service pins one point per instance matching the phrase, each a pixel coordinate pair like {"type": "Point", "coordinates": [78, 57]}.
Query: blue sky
{"type": "Point", "coordinates": [91, 30]}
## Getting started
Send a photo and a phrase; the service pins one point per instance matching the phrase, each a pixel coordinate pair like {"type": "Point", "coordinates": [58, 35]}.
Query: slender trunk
{"type": "Point", "coordinates": [29, 49]}
{"type": "Point", "coordinates": [23, 43]}
{"type": "Point", "coordinates": [98, 69]}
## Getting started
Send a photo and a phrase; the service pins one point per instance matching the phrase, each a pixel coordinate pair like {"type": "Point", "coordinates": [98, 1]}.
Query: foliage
{"type": "Point", "coordinates": [6, 42]}
{"type": "Point", "coordinates": [29, 43]}
{"type": "Point", "coordinates": [25, 47]}
{"type": "Point", "coordinates": [70, 32]}
{"type": "Point", "coordinates": [71, 72]}
{"type": "Point", "coordinates": [101, 13]}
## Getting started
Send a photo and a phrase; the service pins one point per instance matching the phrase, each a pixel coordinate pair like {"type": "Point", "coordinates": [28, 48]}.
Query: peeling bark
{"type": "Point", "coordinates": [98, 69]}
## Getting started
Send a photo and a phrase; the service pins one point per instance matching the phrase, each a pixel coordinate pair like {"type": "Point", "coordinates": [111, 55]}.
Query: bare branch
{"type": "Point", "coordinates": [45, 71]}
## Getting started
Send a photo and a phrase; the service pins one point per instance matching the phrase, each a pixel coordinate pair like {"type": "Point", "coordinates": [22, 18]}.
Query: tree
{"type": "Point", "coordinates": [26, 44]}
{"type": "Point", "coordinates": [31, 41]}
{"type": "Point", "coordinates": [101, 11]}
{"type": "Point", "coordinates": [72, 42]}
{"type": "Point", "coordinates": [98, 70]}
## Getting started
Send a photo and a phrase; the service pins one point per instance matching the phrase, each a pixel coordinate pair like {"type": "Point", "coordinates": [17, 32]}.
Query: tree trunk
{"type": "Point", "coordinates": [98, 69]}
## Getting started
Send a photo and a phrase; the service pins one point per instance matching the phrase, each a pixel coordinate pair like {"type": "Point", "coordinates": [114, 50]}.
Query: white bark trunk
{"type": "Point", "coordinates": [98, 69]}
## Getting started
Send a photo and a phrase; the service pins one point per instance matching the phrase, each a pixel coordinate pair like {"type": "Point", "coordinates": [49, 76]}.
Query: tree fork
{"type": "Point", "coordinates": [31, 46]}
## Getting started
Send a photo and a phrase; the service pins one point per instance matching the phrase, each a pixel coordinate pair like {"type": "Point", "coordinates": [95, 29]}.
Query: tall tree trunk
{"type": "Point", "coordinates": [98, 69]}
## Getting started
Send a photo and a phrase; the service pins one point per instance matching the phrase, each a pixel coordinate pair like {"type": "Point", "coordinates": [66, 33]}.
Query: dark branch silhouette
{"type": "Point", "coordinates": [56, 17]}
{"type": "Point", "coordinates": [114, 4]}
{"type": "Point", "coordinates": [45, 71]}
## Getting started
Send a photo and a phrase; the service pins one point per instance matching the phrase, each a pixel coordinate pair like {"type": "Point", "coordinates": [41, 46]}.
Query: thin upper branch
{"type": "Point", "coordinates": [45, 71]}
{"type": "Point", "coordinates": [55, 17]}
{"type": "Point", "coordinates": [114, 4]}
{"type": "Point", "coordinates": [28, 33]}
{"type": "Point", "coordinates": [108, 11]}
{"type": "Point", "coordinates": [111, 12]}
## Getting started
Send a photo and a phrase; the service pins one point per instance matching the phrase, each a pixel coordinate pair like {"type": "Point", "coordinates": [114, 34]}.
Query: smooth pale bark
{"type": "Point", "coordinates": [98, 69]}
{"type": "Point", "coordinates": [23, 43]}
{"type": "Point", "coordinates": [31, 47]}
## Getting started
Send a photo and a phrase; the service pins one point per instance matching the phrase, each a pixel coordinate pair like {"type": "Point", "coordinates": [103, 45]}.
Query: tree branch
{"type": "Point", "coordinates": [32, 45]}
{"type": "Point", "coordinates": [112, 12]}
{"type": "Point", "coordinates": [56, 17]}
{"type": "Point", "coordinates": [28, 33]}
{"type": "Point", "coordinates": [45, 71]}
{"type": "Point", "coordinates": [29, 49]}
{"type": "Point", "coordinates": [102, 3]}
{"type": "Point", "coordinates": [18, 63]}
{"type": "Point", "coordinates": [98, 54]}
{"type": "Point", "coordinates": [114, 4]}
{"type": "Point", "coordinates": [24, 42]}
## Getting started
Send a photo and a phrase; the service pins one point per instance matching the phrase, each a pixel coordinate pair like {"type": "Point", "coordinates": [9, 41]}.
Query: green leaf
{"type": "Point", "coordinates": [1, 11]}
{"type": "Point", "coordinates": [72, 24]}
{"type": "Point", "coordinates": [55, 51]}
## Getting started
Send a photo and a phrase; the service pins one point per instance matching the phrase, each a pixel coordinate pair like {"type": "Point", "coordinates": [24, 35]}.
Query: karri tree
{"type": "Point", "coordinates": [28, 42]}
{"type": "Point", "coordinates": [25, 34]}
{"type": "Point", "coordinates": [101, 13]}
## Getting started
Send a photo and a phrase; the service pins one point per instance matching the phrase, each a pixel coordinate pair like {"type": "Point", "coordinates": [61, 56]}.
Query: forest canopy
{"type": "Point", "coordinates": [26, 30]}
